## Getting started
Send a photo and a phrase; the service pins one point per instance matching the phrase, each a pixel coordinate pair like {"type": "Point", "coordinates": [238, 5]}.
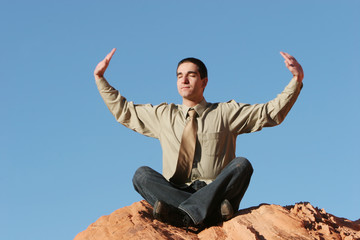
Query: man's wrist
{"type": "Point", "coordinates": [298, 78]}
{"type": "Point", "coordinates": [97, 77]}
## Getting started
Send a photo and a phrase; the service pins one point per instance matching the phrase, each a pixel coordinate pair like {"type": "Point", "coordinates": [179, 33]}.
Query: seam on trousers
{"type": "Point", "coordinates": [195, 222]}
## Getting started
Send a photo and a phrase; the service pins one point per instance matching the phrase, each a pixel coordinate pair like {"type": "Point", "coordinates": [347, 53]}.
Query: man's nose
{"type": "Point", "coordinates": [185, 79]}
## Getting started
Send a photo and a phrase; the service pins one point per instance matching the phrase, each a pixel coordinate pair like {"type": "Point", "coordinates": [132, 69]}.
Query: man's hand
{"type": "Point", "coordinates": [294, 67]}
{"type": "Point", "coordinates": [102, 66]}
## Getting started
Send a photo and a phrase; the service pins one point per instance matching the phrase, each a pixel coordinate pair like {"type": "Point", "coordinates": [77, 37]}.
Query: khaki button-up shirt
{"type": "Point", "coordinates": [218, 126]}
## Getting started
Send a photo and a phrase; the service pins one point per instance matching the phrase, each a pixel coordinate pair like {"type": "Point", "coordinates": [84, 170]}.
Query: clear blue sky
{"type": "Point", "coordinates": [65, 161]}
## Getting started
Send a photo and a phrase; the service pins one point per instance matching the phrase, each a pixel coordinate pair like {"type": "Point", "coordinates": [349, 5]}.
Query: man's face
{"type": "Point", "coordinates": [189, 83]}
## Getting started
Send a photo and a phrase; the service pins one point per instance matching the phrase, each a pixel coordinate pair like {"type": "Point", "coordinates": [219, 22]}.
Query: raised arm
{"type": "Point", "coordinates": [246, 118]}
{"type": "Point", "coordinates": [102, 66]}
{"type": "Point", "coordinates": [142, 118]}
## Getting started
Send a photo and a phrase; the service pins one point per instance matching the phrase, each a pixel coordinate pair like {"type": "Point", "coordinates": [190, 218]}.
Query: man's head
{"type": "Point", "coordinates": [191, 80]}
{"type": "Point", "coordinates": [200, 65]}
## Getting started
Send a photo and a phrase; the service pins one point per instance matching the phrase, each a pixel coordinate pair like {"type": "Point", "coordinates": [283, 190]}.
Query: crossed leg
{"type": "Point", "coordinates": [204, 204]}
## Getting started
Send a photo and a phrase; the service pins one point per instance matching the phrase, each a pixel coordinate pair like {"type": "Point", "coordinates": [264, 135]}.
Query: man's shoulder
{"type": "Point", "coordinates": [160, 105]}
{"type": "Point", "coordinates": [167, 107]}
{"type": "Point", "coordinates": [224, 107]}
{"type": "Point", "coordinates": [220, 104]}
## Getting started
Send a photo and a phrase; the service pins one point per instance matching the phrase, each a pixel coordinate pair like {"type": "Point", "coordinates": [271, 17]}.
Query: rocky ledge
{"type": "Point", "coordinates": [300, 221]}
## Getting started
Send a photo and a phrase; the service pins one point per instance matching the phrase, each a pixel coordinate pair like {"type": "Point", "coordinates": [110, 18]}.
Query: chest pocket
{"type": "Point", "coordinates": [211, 143]}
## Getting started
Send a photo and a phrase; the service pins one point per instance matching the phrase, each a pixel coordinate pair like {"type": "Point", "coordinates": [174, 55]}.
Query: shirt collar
{"type": "Point", "coordinates": [199, 108]}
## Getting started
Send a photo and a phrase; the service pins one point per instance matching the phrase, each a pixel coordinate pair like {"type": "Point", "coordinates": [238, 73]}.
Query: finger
{"type": "Point", "coordinates": [287, 61]}
{"type": "Point", "coordinates": [283, 55]}
{"type": "Point", "coordinates": [109, 56]}
{"type": "Point", "coordinates": [287, 56]}
{"type": "Point", "coordinates": [291, 58]}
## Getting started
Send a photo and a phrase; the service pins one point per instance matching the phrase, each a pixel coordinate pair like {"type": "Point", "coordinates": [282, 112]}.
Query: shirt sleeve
{"type": "Point", "coordinates": [246, 118]}
{"type": "Point", "coordinates": [142, 118]}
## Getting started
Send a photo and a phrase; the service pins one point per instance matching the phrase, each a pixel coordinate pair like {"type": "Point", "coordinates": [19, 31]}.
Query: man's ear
{"type": "Point", "coordinates": [204, 82]}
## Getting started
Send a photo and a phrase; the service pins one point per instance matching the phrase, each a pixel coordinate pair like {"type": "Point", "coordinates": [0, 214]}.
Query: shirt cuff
{"type": "Point", "coordinates": [102, 84]}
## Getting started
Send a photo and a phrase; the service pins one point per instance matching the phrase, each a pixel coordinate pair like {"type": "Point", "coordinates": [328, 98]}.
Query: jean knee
{"type": "Point", "coordinates": [140, 174]}
{"type": "Point", "coordinates": [243, 163]}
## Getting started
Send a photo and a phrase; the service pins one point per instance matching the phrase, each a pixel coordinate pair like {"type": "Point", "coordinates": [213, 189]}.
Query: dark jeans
{"type": "Point", "coordinates": [200, 201]}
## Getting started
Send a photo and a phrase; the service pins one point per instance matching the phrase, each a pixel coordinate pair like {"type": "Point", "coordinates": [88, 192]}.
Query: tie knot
{"type": "Point", "coordinates": [192, 113]}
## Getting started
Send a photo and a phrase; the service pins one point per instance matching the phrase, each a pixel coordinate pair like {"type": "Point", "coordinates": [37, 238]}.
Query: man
{"type": "Point", "coordinates": [202, 181]}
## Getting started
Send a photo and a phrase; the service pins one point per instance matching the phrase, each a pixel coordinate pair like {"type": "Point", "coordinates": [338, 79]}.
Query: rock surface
{"type": "Point", "coordinates": [302, 221]}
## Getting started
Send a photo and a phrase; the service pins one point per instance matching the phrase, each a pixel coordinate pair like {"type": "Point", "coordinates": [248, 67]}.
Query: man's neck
{"type": "Point", "coordinates": [191, 103]}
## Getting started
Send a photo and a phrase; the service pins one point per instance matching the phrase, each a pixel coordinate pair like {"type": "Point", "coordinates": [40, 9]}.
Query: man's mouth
{"type": "Point", "coordinates": [185, 87]}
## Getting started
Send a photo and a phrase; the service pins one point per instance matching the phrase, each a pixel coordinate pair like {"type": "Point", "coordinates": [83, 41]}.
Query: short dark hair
{"type": "Point", "coordinates": [201, 66]}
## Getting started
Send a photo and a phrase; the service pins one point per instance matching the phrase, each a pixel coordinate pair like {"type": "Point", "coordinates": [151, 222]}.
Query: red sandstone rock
{"type": "Point", "coordinates": [301, 221]}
